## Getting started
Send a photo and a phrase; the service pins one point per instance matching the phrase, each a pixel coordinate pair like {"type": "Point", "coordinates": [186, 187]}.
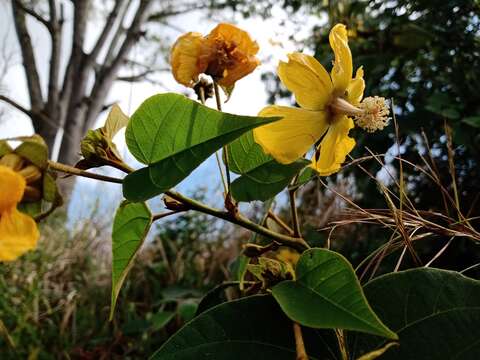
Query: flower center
{"type": "Point", "coordinates": [223, 58]}
{"type": "Point", "coordinates": [371, 115]}
{"type": "Point", "coordinates": [375, 114]}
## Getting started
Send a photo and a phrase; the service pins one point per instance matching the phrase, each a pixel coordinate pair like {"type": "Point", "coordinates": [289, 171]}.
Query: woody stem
{"type": "Point", "coordinates": [238, 219]}
{"type": "Point", "coordinates": [299, 344]}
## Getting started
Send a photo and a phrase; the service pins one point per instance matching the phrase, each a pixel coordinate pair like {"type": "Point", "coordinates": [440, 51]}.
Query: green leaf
{"type": "Point", "coordinates": [244, 154]}
{"type": "Point", "coordinates": [130, 227]}
{"type": "Point", "coordinates": [34, 149]}
{"type": "Point", "coordinates": [137, 186]}
{"type": "Point", "coordinates": [168, 124]}
{"type": "Point", "coordinates": [174, 135]}
{"type": "Point", "coordinates": [265, 181]}
{"type": "Point", "coordinates": [116, 121]}
{"type": "Point", "coordinates": [327, 294]}
{"type": "Point", "coordinates": [187, 310]}
{"type": "Point", "coordinates": [472, 121]}
{"type": "Point", "coordinates": [215, 297]}
{"type": "Point", "coordinates": [262, 177]}
{"type": "Point", "coordinates": [4, 148]}
{"type": "Point", "coordinates": [434, 312]}
{"type": "Point", "coordinates": [161, 319]}
{"type": "Point", "coordinates": [252, 328]}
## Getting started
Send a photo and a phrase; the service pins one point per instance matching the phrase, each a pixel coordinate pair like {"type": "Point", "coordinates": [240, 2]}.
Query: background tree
{"type": "Point", "coordinates": [78, 85]}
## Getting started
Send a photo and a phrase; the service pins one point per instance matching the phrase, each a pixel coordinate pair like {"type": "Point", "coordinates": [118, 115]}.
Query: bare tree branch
{"type": "Point", "coordinates": [53, 80]}
{"type": "Point", "coordinates": [15, 105]}
{"type": "Point", "coordinates": [112, 49]}
{"type": "Point", "coordinates": [28, 57]}
{"type": "Point", "coordinates": [108, 74]}
{"type": "Point", "coordinates": [32, 13]}
{"type": "Point", "coordinates": [140, 76]}
{"type": "Point", "coordinates": [112, 17]}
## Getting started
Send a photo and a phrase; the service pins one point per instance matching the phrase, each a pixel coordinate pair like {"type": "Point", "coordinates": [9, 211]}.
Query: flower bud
{"type": "Point", "coordinates": [13, 161]}
{"type": "Point", "coordinates": [31, 194]}
{"type": "Point", "coordinates": [31, 173]}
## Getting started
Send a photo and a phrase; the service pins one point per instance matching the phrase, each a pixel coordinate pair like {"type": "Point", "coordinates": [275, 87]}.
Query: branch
{"type": "Point", "coordinates": [140, 76]}
{"type": "Point", "coordinates": [108, 74]}
{"type": "Point", "coordinates": [53, 77]}
{"type": "Point", "coordinates": [116, 37]}
{"type": "Point", "coordinates": [293, 242]}
{"type": "Point", "coordinates": [33, 14]}
{"type": "Point", "coordinates": [15, 105]}
{"type": "Point", "coordinates": [112, 17]}
{"type": "Point", "coordinates": [28, 57]}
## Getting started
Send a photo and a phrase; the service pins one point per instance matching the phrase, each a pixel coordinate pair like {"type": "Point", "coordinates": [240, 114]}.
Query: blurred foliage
{"type": "Point", "coordinates": [54, 302]}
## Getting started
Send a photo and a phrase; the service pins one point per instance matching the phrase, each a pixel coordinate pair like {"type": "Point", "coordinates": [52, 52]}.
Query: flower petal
{"type": "Point", "coordinates": [342, 67]}
{"type": "Point", "coordinates": [334, 147]}
{"type": "Point", "coordinates": [291, 137]}
{"type": "Point", "coordinates": [12, 186]}
{"type": "Point", "coordinates": [18, 234]}
{"type": "Point", "coordinates": [235, 54]}
{"type": "Point", "coordinates": [232, 35]}
{"type": "Point", "coordinates": [355, 88]}
{"type": "Point", "coordinates": [189, 58]}
{"type": "Point", "coordinates": [307, 79]}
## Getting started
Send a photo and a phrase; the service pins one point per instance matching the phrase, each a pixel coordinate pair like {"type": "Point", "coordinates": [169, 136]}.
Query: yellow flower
{"type": "Point", "coordinates": [227, 54]}
{"type": "Point", "coordinates": [328, 103]}
{"type": "Point", "coordinates": [18, 232]}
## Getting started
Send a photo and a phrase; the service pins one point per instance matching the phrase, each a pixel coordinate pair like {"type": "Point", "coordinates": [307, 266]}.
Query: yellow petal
{"type": "Point", "coordinates": [355, 88]}
{"type": "Point", "coordinates": [235, 36]}
{"type": "Point", "coordinates": [189, 58]}
{"type": "Point", "coordinates": [307, 79]}
{"type": "Point", "coordinates": [334, 147]}
{"type": "Point", "coordinates": [291, 137]}
{"type": "Point", "coordinates": [12, 186]}
{"type": "Point", "coordinates": [342, 67]}
{"type": "Point", "coordinates": [18, 234]}
{"type": "Point", "coordinates": [234, 54]}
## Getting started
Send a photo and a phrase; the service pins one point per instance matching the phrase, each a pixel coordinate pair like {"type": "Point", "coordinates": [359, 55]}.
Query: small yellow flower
{"type": "Point", "coordinates": [18, 232]}
{"type": "Point", "coordinates": [328, 103]}
{"type": "Point", "coordinates": [227, 54]}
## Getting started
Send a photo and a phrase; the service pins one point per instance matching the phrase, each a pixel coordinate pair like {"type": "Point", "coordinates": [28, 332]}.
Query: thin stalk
{"type": "Point", "coordinates": [74, 171]}
{"type": "Point", "coordinates": [225, 153]}
{"type": "Point", "coordinates": [299, 344]}
{"type": "Point", "coordinates": [165, 214]}
{"type": "Point", "coordinates": [293, 210]}
{"type": "Point", "coordinates": [280, 222]}
{"type": "Point", "coordinates": [224, 182]}
{"type": "Point", "coordinates": [341, 343]}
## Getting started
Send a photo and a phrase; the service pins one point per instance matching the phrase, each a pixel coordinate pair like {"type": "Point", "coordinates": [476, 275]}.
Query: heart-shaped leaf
{"type": "Point", "coordinates": [434, 312]}
{"type": "Point", "coordinates": [130, 227]}
{"type": "Point", "coordinates": [327, 294]}
{"type": "Point", "coordinates": [251, 328]}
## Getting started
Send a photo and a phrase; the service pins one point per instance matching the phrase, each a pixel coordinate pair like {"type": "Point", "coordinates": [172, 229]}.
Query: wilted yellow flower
{"type": "Point", "coordinates": [227, 54]}
{"type": "Point", "coordinates": [18, 232]}
{"type": "Point", "coordinates": [328, 103]}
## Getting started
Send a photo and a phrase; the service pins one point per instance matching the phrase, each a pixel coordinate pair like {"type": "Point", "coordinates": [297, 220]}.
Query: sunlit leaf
{"type": "Point", "coordinates": [174, 135]}
{"type": "Point", "coordinates": [130, 226]}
